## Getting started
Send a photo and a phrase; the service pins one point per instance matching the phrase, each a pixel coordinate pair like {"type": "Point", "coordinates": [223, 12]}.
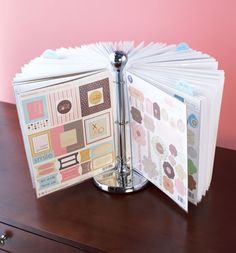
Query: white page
{"type": "Point", "coordinates": [43, 83]}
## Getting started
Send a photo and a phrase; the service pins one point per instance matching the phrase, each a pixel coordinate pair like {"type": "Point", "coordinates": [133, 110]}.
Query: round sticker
{"type": "Point", "coordinates": [64, 106]}
{"type": "Point", "coordinates": [192, 120]}
{"type": "Point", "coordinates": [95, 97]}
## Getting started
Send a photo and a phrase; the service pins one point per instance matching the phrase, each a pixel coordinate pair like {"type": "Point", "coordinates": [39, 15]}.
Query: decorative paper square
{"type": "Point", "coordinates": [84, 155]}
{"type": "Point", "coordinates": [97, 128]}
{"type": "Point", "coordinates": [67, 138]}
{"type": "Point", "coordinates": [35, 109]}
{"type": "Point", "coordinates": [56, 144]}
{"type": "Point", "coordinates": [40, 143]}
{"type": "Point", "coordinates": [86, 167]}
{"type": "Point", "coordinates": [77, 140]}
{"type": "Point", "coordinates": [64, 105]}
{"type": "Point", "coordinates": [95, 97]}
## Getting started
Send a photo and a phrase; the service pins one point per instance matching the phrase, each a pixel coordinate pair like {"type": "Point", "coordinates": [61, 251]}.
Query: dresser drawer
{"type": "Point", "coordinates": [19, 241]}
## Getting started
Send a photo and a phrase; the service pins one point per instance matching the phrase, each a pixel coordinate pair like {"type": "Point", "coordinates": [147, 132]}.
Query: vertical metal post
{"type": "Point", "coordinates": [122, 178]}
{"type": "Point", "coordinates": [118, 61]}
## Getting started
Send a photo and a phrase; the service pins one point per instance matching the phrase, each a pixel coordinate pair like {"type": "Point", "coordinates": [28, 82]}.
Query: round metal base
{"type": "Point", "coordinates": [115, 182]}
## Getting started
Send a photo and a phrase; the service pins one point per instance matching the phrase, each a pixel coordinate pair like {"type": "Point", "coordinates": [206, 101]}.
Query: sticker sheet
{"type": "Point", "coordinates": [193, 104]}
{"type": "Point", "coordinates": [193, 107]}
{"type": "Point", "coordinates": [159, 138]}
{"type": "Point", "coordinates": [68, 131]}
{"type": "Point", "coordinates": [193, 133]}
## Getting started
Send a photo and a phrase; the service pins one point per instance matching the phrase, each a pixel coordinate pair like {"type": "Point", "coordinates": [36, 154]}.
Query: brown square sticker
{"type": "Point", "coordinates": [95, 97]}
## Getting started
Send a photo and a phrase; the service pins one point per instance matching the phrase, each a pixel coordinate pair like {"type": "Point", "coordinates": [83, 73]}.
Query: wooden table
{"type": "Point", "coordinates": [85, 219]}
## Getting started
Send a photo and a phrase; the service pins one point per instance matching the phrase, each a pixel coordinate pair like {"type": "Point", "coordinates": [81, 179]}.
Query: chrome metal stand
{"type": "Point", "coordinates": [123, 178]}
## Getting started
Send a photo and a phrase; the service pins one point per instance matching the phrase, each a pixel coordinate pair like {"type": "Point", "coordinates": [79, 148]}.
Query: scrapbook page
{"type": "Point", "coordinates": [69, 131]}
{"type": "Point", "coordinates": [159, 138]}
{"type": "Point", "coordinates": [194, 105]}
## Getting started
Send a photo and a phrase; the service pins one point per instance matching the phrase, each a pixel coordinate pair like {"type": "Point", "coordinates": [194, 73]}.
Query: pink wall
{"type": "Point", "coordinates": [28, 27]}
